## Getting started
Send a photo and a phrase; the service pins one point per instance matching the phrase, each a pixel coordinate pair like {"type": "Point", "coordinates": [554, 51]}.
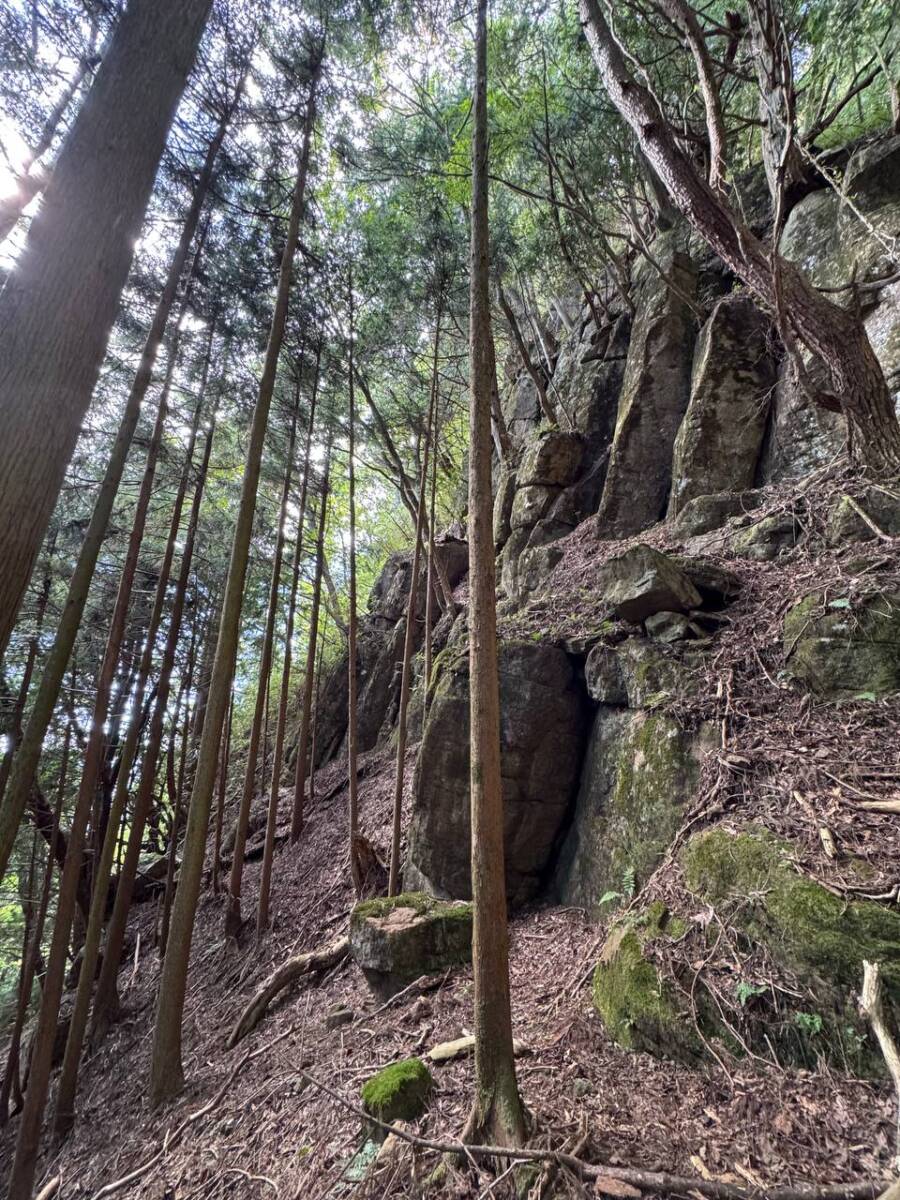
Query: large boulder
{"type": "Point", "coordinates": [844, 646]}
{"type": "Point", "coordinates": [552, 459]}
{"type": "Point", "coordinates": [703, 514]}
{"type": "Point", "coordinates": [643, 581]}
{"type": "Point", "coordinates": [652, 401]}
{"type": "Point", "coordinates": [395, 940]}
{"type": "Point", "coordinates": [542, 732]}
{"type": "Point", "coordinates": [718, 443]}
{"type": "Point", "coordinates": [640, 774]}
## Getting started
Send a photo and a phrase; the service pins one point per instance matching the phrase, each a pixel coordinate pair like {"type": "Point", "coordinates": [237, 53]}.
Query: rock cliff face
{"type": "Point", "coordinates": [643, 543]}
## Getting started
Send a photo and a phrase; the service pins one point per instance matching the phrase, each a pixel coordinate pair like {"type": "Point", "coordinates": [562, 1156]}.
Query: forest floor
{"type": "Point", "coordinates": [272, 1134]}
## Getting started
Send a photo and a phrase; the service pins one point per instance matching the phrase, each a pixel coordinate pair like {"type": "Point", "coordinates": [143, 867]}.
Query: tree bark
{"type": "Point", "coordinates": [167, 1076]}
{"type": "Point", "coordinates": [106, 1005]}
{"type": "Point", "coordinates": [835, 335]}
{"type": "Point", "coordinates": [352, 631]}
{"type": "Point", "coordinates": [26, 759]}
{"type": "Point", "coordinates": [309, 680]}
{"type": "Point", "coordinates": [58, 306]}
{"type": "Point", "coordinates": [265, 877]}
{"type": "Point", "coordinates": [65, 1098]}
{"type": "Point", "coordinates": [409, 634]}
{"type": "Point", "coordinates": [233, 921]}
{"type": "Point", "coordinates": [497, 1109]}
{"type": "Point", "coordinates": [223, 787]}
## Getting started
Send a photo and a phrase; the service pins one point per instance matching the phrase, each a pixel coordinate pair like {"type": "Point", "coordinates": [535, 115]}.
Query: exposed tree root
{"type": "Point", "coordinates": [294, 968]}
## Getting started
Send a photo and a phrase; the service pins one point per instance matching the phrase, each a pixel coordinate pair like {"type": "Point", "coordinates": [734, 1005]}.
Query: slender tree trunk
{"type": "Point", "coordinates": [352, 628]}
{"type": "Point", "coordinates": [167, 1076]}
{"type": "Point", "coordinates": [265, 878]}
{"type": "Point", "coordinates": [497, 1111]}
{"type": "Point", "coordinates": [177, 801]}
{"type": "Point", "coordinates": [58, 306]}
{"type": "Point", "coordinates": [65, 1097]}
{"type": "Point", "coordinates": [223, 787]}
{"type": "Point", "coordinates": [835, 335]}
{"type": "Point", "coordinates": [106, 1005]}
{"type": "Point", "coordinates": [409, 635]}
{"type": "Point", "coordinates": [785, 167]}
{"type": "Point", "coordinates": [536, 377]}
{"type": "Point", "coordinates": [233, 920]}
{"type": "Point", "coordinates": [14, 732]}
{"type": "Point", "coordinates": [28, 755]}
{"type": "Point", "coordinates": [429, 574]}
{"type": "Point", "coordinates": [308, 682]}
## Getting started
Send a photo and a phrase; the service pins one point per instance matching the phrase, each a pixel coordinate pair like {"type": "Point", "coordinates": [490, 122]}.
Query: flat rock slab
{"type": "Point", "coordinates": [396, 940]}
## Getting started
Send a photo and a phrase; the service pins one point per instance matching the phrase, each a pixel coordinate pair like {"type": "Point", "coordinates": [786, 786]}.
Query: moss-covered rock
{"type": "Point", "coordinates": [639, 774]}
{"type": "Point", "coordinates": [842, 646]}
{"type": "Point", "coordinates": [394, 940]}
{"type": "Point", "coordinates": [639, 1009]}
{"type": "Point", "coordinates": [764, 540]}
{"type": "Point", "coordinates": [847, 524]}
{"type": "Point", "coordinates": [806, 928]}
{"type": "Point", "coordinates": [398, 1092]}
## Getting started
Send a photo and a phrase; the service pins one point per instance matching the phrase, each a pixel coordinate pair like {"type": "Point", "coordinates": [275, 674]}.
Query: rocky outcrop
{"type": "Point", "coordinates": [542, 732]}
{"type": "Point", "coordinates": [396, 940]}
{"type": "Point", "coordinates": [844, 646]}
{"type": "Point", "coordinates": [640, 774]}
{"type": "Point", "coordinates": [719, 440]}
{"type": "Point", "coordinates": [379, 651]}
{"type": "Point", "coordinates": [653, 400]}
{"type": "Point", "coordinates": [643, 581]}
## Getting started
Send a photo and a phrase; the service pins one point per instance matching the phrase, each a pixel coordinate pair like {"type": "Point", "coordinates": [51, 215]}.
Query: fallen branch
{"type": "Point", "coordinates": [870, 1004]}
{"type": "Point", "coordinates": [289, 971]}
{"type": "Point", "coordinates": [645, 1181]}
{"type": "Point", "coordinates": [50, 1188]}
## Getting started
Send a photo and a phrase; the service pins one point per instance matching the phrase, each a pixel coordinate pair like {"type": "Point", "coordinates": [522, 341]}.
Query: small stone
{"type": "Point", "coordinates": [667, 626]}
{"type": "Point", "coordinates": [643, 581]}
{"type": "Point", "coordinates": [340, 1015]}
{"type": "Point", "coordinates": [582, 1087]}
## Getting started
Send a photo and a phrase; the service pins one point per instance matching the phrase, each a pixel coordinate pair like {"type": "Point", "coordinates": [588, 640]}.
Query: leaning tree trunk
{"type": "Point", "coordinates": [167, 1075]}
{"type": "Point", "coordinates": [497, 1111]}
{"type": "Point", "coordinates": [233, 921]}
{"type": "Point", "coordinates": [106, 1004]}
{"type": "Point", "coordinates": [265, 875]}
{"type": "Point", "coordinates": [65, 1098]}
{"type": "Point", "coordinates": [26, 759]}
{"type": "Point", "coordinates": [58, 306]}
{"type": "Point", "coordinates": [835, 335]}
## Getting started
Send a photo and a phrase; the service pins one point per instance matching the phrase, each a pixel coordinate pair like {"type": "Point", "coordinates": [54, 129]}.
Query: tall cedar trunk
{"type": "Point", "coordinates": [265, 877]}
{"type": "Point", "coordinates": [233, 921]}
{"type": "Point", "coordinates": [429, 574]}
{"type": "Point", "coordinates": [14, 732]}
{"type": "Point", "coordinates": [177, 809]}
{"type": "Point", "coordinates": [58, 306]}
{"type": "Point", "coordinates": [33, 949]}
{"type": "Point", "coordinates": [27, 757]}
{"type": "Point", "coordinates": [41, 1061]}
{"type": "Point", "coordinates": [106, 1004]}
{"type": "Point", "coordinates": [497, 1111]}
{"type": "Point", "coordinates": [65, 1098]}
{"type": "Point", "coordinates": [835, 334]}
{"type": "Point", "coordinates": [223, 787]}
{"type": "Point", "coordinates": [352, 631]}
{"type": "Point", "coordinates": [409, 635]}
{"type": "Point", "coordinates": [309, 679]}
{"type": "Point", "coordinates": [29, 183]}
{"type": "Point", "coordinates": [167, 1076]}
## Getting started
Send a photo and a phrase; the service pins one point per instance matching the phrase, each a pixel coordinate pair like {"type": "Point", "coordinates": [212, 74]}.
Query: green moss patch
{"type": "Point", "coordinates": [420, 902]}
{"type": "Point", "coordinates": [640, 1009]}
{"type": "Point", "coordinates": [398, 1092]}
